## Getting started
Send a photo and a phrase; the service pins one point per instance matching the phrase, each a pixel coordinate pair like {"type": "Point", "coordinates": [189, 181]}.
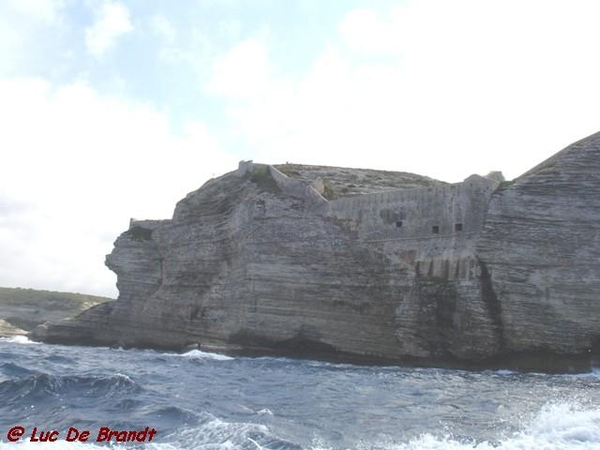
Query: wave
{"type": "Point", "coordinates": [38, 386]}
{"type": "Point", "coordinates": [505, 372]}
{"type": "Point", "coordinates": [219, 434]}
{"type": "Point", "coordinates": [173, 417]}
{"type": "Point", "coordinates": [58, 445]}
{"type": "Point", "coordinates": [11, 369]}
{"type": "Point", "coordinates": [198, 354]}
{"type": "Point", "coordinates": [556, 427]}
{"type": "Point", "coordinates": [20, 339]}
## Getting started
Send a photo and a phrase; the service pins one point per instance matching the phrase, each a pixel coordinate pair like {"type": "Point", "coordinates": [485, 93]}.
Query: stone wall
{"type": "Point", "coordinates": [428, 212]}
{"type": "Point", "coordinates": [434, 227]}
{"type": "Point", "coordinates": [470, 273]}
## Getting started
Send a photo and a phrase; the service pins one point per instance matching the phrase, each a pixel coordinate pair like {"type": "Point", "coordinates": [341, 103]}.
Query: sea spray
{"type": "Point", "coordinates": [206, 401]}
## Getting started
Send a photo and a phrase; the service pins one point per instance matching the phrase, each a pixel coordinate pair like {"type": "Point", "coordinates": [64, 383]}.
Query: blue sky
{"type": "Point", "coordinates": [117, 109]}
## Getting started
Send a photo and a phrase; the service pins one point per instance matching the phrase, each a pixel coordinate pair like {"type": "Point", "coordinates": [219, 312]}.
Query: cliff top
{"type": "Point", "coordinates": [27, 308]}
{"type": "Point", "coordinates": [579, 154]}
{"type": "Point", "coordinates": [344, 181]}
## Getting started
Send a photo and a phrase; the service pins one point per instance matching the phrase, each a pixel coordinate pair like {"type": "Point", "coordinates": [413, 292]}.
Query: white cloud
{"type": "Point", "coordinates": [22, 24]}
{"type": "Point", "coordinates": [435, 87]}
{"type": "Point", "coordinates": [112, 22]}
{"type": "Point", "coordinates": [77, 166]}
{"type": "Point", "coordinates": [45, 10]}
{"type": "Point", "coordinates": [164, 28]}
{"type": "Point", "coordinates": [364, 31]}
{"type": "Point", "coordinates": [470, 87]}
{"type": "Point", "coordinates": [242, 73]}
{"type": "Point", "coordinates": [11, 42]}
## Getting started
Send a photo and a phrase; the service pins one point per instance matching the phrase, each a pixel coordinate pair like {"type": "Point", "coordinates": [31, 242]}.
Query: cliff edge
{"type": "Point", "coordinates": [367, 266]}
{"type": "Point", "coordinates": [21, 310]}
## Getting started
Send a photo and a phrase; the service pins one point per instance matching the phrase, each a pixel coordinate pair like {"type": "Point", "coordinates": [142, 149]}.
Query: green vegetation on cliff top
{"type": "Point", "coordinates": [27, 308]}
{"type": "Point", "coordinates": [344, 181]}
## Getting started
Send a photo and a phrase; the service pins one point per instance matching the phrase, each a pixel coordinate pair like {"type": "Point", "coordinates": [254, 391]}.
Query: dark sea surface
{"type": "Point", "coordinates": [205, 401]}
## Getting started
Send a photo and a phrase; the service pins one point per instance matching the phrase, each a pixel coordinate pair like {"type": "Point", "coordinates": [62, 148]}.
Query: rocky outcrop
{"type": "Point", "coordinates": [541, 248]}
{"type": "Point", "coordinates": [8, 330]}
{"type": "Point", "coordinates": [480, 273]}
{"type": "Point", "coordinates": [21, 310]}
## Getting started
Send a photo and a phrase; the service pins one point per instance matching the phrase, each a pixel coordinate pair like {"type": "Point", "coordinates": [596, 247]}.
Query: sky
{"type": "Point", "coordinates": [117, 109]}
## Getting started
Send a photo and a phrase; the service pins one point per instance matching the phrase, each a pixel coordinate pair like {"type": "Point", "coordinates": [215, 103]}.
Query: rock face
{"type": "Point", "coordinates": [541, 247]}
{"type": "Point", "coordinates": [21, 310]}
{"type": "Point", "coordinates": [480, 273]}
{"type": "Point", "coordinates": [8, 330]}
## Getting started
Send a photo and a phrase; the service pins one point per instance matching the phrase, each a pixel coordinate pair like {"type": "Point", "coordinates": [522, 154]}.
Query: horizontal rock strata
{"type": "Point", "coordinates": [268, 260]}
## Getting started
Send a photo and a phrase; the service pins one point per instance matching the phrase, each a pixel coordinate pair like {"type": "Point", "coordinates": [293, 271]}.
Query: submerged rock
{"type": "Point", "coordinates": [367, 266]}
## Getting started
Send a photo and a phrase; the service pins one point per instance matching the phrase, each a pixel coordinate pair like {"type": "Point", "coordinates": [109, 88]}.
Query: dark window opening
{"type": "Point", "coordinates": [398, 224]}
{"type": "Point", "coordinates": [446, 269]}
{"type": "Point", "coordinates": [435, 229]}
{"type": "Point", "coordinates": [458, 227]}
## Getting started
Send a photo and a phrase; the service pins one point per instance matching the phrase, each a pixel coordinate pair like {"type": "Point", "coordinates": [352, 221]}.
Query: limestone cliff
{"type": "Point", "coordinates": [540, 248]}
{"type": "Point", "coordinates": [321, 263]}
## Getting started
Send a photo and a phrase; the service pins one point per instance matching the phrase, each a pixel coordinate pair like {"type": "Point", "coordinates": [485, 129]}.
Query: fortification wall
{"type": "Point", "coordinates": [148, 224]}
{"type": "Point", "coordinates": [245, 167]}
{"type": "Point", "coordinates": [289, 186]}
{"type": "Point", "coordinates": [298, 188]}
{"type": "Point", "coordinates": [432, 229]}
{"type": "Point", "coordinates": [428, 212]}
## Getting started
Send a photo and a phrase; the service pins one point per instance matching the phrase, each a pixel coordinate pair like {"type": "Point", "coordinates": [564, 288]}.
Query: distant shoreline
{"type": "Point", "coordinates": [23, 309]}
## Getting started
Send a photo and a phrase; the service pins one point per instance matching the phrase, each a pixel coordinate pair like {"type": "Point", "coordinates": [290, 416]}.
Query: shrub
{"type": "Point", "coordinates": [138, 233]}
{"type": "Point", "coordinates": [263, 179]}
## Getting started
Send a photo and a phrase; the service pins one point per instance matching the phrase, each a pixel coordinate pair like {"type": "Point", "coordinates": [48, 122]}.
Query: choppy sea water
{"type": "Point", "coordinates": [205, 401]}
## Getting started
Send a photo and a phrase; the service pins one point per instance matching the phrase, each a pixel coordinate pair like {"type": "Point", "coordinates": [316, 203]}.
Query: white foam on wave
{"type": "Point", "coordinates": [20, 339]}
{"type": "Point", "coordinates": [198, 354]}
{"type": "Point", "coordinates": [216, 434]}
{"type": "Point", "coordinates": [265, 412]}
{"type": "Point", "coordinates": [122, 376]}
{"type": "Point", "coordinates": [58, 445]}
{"type": "Point", "coordinates": [505, 372]}
{"type": "Point", "coordinates": [560, 426]}
{"type": "Point", "coordinates": [556, 427]}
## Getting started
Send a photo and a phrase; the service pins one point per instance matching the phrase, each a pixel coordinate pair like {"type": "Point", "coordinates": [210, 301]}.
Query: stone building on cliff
{"type": "Point", "coordinates": [367, 265]}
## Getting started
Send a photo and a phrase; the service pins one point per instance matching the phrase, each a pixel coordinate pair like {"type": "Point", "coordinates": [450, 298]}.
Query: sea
{"type": "Point", "coordinates": [85, 398]}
